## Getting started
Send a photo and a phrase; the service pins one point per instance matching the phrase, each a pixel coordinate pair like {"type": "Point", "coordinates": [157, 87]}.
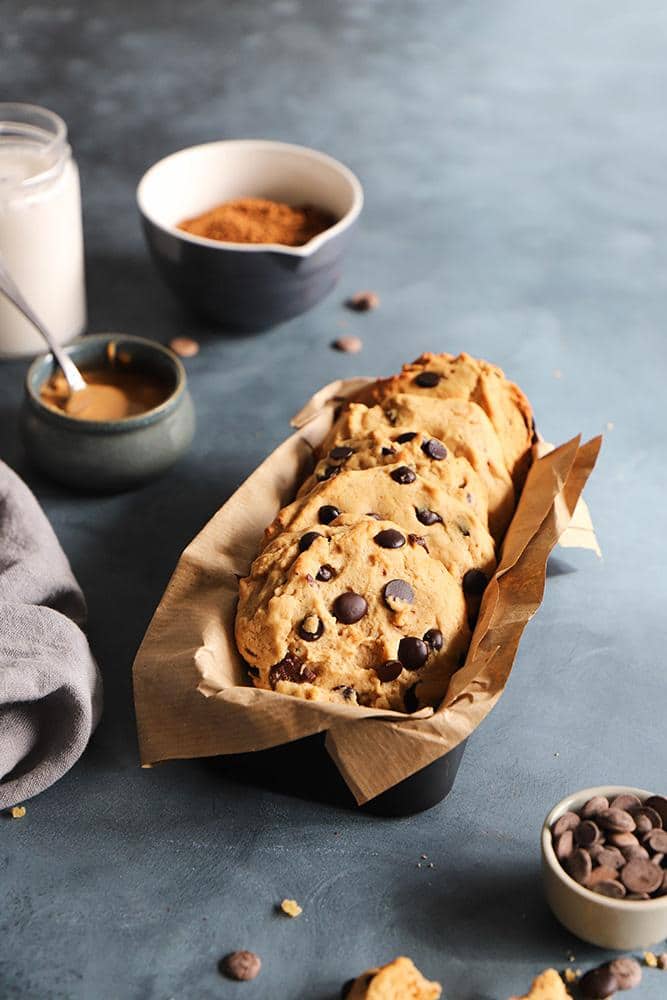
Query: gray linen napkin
{"type": "Point", "coordinates": [50, 687]}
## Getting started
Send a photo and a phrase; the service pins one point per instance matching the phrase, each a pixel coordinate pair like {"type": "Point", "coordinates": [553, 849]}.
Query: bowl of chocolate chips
{"type": "Point", "coordinates": [604, 865]}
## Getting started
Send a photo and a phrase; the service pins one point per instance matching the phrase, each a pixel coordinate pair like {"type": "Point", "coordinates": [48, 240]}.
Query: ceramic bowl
{"type": "Point", "coordinates": [244, 287]}
{"type": "Point", "coordinates": [610, 923]}
{"type": "Point", "coordinates": [108, 455]}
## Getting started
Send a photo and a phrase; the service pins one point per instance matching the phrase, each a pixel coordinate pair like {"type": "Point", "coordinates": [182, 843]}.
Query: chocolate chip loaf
{"type": "Point", "coordinates": [370, 581]}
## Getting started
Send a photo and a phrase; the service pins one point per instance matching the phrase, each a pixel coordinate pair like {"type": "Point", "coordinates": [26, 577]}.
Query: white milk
{"type": "Point", "coordinates": [41, 238]}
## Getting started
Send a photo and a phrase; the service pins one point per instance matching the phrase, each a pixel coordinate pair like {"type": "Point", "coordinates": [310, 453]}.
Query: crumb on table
{"type": "Point", "coordinates": [291, 907]}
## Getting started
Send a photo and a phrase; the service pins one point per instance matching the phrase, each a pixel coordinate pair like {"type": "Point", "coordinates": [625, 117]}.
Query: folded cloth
{"type": "Point", "coordinates": [50, 686]}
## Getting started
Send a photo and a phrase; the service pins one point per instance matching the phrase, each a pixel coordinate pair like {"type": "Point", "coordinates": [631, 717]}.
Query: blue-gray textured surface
{"type": "Point", "coordinates": [513, 157]}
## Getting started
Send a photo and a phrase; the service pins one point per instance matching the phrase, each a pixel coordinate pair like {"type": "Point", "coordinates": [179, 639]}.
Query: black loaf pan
{"type": "Point", "coordinates": [305, 769]}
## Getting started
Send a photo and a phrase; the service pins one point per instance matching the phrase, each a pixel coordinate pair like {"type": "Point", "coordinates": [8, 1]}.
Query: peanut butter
{"type": "Point", "coordinates": [110, 394]}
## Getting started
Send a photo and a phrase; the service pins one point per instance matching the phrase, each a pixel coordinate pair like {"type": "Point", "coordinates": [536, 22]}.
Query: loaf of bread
{"type": "Point", "coordinates": [370, 581]}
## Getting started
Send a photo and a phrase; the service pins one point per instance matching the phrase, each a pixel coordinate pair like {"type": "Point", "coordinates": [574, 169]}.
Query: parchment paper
{"type": "Point", "coordinates": [193, 698]}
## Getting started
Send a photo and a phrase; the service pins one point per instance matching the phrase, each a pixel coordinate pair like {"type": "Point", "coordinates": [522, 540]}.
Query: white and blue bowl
{"type": "Point", "coordinates": [247, 287]}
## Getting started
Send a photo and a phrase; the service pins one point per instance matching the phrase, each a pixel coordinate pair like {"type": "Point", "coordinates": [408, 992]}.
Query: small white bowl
{"type": "Point", "coordinates": [610, 923]}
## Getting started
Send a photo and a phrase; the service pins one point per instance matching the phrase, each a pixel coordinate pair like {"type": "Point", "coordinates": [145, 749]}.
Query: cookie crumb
{"type": "Point", "coordinates": [349, 345]}
{"type": "Point", "coordinates": [291, 907]}
{"type": "Point", "coordinates": [363, 301]}
{"type": "Point", "coordinates": [185, 347]}
{"type": "Point", "coordinates": [571, 975]}
{"type": "Point", "coordinates": [17, 812]}
{"type": "Point", "coordinates": [650, 960]}
{"type": "Point", "coordinates": [240, 966]}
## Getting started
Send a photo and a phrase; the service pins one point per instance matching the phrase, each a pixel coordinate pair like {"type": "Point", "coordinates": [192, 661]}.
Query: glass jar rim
{"type": "Point", "coordinates": [37, 117]}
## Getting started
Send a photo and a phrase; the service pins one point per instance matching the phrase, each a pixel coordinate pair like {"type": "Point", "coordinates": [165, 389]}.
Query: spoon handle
{"type": "Point", "coordinates": [9, 287]}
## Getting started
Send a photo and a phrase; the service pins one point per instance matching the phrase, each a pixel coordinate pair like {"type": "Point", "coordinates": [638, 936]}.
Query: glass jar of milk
{"type": "Point", "coordinates": [41, 238]}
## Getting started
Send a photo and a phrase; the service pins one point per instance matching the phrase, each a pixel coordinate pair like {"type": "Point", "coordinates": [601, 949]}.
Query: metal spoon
{"type": "Point", "coordinates": [9, 287]}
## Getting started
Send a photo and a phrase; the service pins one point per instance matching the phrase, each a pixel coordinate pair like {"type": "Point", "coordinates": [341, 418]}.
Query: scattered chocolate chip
{"type": "Point", "coordinates": [412, 652]}
{"type": "Point", "coordinates": [390, 538]}
{"type": "Point", "coordinates": [311, 628]}
{"type": "Point", "coordinates": [659, 803]}
{"type": "Point", "coordinates": [307, 540]}
{"type": "Point", "coordinates": [341, 453]}
{"type": "Point", "coordinates": [434, 639]}
{"type": "Point", "coordinates": [403, 475]}
{"type": "Point", "coordinates": [434, 449]}
{"type": "Point", "coordinates": [418, 540]}
{"type": "Point", "coordinates": [291, 668]}
{"type": "Point", "coordinates": [410, 699]}
{"type": "Point", "coordinates": [639, 875]}
{"type": "Point", "coordinates": [627, 971]}
{"type": "Point", "coordinates": [568, 821]}
{"type": "Point", "coordinates": [327, 513]}
{"type": "Point", "coordinates": [598, 984]}
{"type": "Point", "coordinates": [611, 888]}
{"type": "Point", "coordinates": [325, 573]}
{"type": "Point", "coordinates": [615, 820]}
{"type": "Point", "coordinates": [240, 965]}
{"type": "Point", "coordinates": [594, 806]}
{"type": "Point", "coordinates": [427, 380]}
{"type": "Point", "coordinates": [587, 833]}
{"type": "Point", "coordinates": [427, 517]}
{"type": "Point", "coordinates": [389, 671]}
{"type": "Point", "coordinates": [349, 608]}
{"type": "Point", "coordinates": [363, 301]}
{"type": "Point", "coordinates": [388, 451]}
{"type": "Point", "coordinates": [474, 583]}
{"type": "Point", "coordinates": [405, 437]}
{"type": "Point", "coordinates": [349, 345]}
{"type": "Point", "coordinates": [580, 866]}
{"type": "Point", "coordinates": [626, 801]}
{"type": "Point", "coordinates": [185, 347]}
{"type": "Point", "coordinates": [397, 593]}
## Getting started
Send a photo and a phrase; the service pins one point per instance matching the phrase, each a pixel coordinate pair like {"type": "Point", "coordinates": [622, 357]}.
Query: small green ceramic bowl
{"type": "Point", "coordinates": [109, 455]}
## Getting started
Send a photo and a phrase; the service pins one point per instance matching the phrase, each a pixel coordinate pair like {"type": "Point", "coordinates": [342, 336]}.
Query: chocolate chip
{"type": "Point", "coordinates": [418, 540]}
{"type": "Point", "coordinates": [403, 475]}
{"type": "Point", "coordinates": [311, 628]}
{"type": "Point", "coordinates": [410, 699]}
{"type": "Point", "coordinates": [598, 984]}
{"type": "Point", "coordinates": [628, 972]}
{"type": "Point", "coordinates": [388, 451]}
{"type": "Point", "coordinates": [433, 638]}
{"type": "Point", "coordinates": [434, 449]}
{"type": "Point", "coordinates": [291, 668]}
{"type": "Point", "coordinates": [349, 345]}
{"type": "Point", "coordinates": [659, 803]}
{"type": "Point", "coordinates": [594, 806]}
{"type": "Point", "coordinates": [329, 472]}
{"type": "Point", "coordinates": [389, 539]}
{"type": "Point", "coordinates": [427, 380]}
{"type": "Point", "coordinates": [464, 529]}
{"type": "Point", "coordinates": [639, 875]}
{"type": "Point", "coordinates": [327, 513]}
{"type": "Point", "coordinates": [253, 671]}
{"type": "Point", "coordinates": [397, 593]}
{"type": "Point", "coordinates": [340, 453]}
{"type": "Point", "coordinates": [626, 801]}
{"type": "Point", "coordinates": [568, 821]}
{"type": "Point", "coordinates": [634, 851]}
{"type": "Point", "coordinates": [307, 540]}
{"type": "Point", "coordinates": [564, 845]}
{"type": "Point", "coordinates": [412, 652]}
{"type": "Point", "coordinates": [657, 840]}
{"type": "Point", "coordinates": [608, 857]}
{"type": "Point", "coordinates": [622, 839]}
{"type": "Point", "coordinates": [363, 301]}
{"type": "Point", "coordinates": [646, 819]}
{"type": "Point", "coordinates": [611, 888]}
{"type": "Point", "coordinates": [348, 693]}
{"type": "Point", "coordinates": [474, 583]}
{"type": "Point", "coordinates": [376, 517]}
{"type": "Point", "coordinates": [600, 874]}
{"type": "Point", "coordinates": [580, 866]}
{"type": "Point", "coordinates": [325, 573]}
{"type": "Point", "coordinates": [587, 833]}
{"type": "Point", "coordinates": [615, 820]}
{"type": "Point", "coordinates": [389, 671]}
{"type": "Point", "coordinates": [427, 517]}
{"type": "Point", "coordinates": [405, 437]}
{"type": "Point", "coordinates": [349, 608]}
{"type": "Point", "coordinates": [185, 347]}
{"type": "Point", "coordinates": [240, 965]}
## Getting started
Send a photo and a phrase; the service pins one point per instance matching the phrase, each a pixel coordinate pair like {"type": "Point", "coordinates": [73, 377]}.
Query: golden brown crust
{"type": "Point", "coordinates": [547, 986]}
{"type": "Point", "coordinates": [399, 980]}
